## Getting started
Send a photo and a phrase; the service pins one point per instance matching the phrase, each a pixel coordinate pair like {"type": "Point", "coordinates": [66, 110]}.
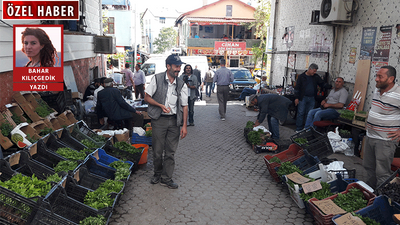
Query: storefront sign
{"type": "Point", "coordinates": [216, 52]}
{"type": "Point", "coordinates": [367, 42]}
{"type": "Point", "coordinates": [229, 46]}
{"type": "Point", "coordinates": [382, 48]}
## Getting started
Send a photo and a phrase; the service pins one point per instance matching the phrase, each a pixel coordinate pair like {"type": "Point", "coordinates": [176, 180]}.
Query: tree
{"type": "Point", "coordinates": [165, 40]}
{"type": "Point", "coordinates": [262, 16]}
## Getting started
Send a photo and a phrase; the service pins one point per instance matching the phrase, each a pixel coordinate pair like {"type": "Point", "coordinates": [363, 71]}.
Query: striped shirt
{"type": "Point", "coordinates": [384, 115]}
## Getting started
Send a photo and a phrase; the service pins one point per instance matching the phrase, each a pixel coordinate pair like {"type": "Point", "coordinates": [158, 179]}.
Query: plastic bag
{"type": "Point", "coordinates": [336, 142]}
{"type": "Point", "coordinates": [262, 128]}
{"type": "Point", "coordinates": [139, 130]}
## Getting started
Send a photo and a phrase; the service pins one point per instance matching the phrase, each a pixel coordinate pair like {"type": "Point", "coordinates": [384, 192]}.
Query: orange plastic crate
{"type": "Point", "coordinates": [293, 153]}
{"type": "Point", "coordinates": [322, 219]}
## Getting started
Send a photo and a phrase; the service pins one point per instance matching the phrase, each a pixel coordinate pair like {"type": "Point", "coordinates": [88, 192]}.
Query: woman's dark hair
{"type": "Point", "coordinates": [191, 69]}
{"type": "Point", "coordinates": [48, 53]}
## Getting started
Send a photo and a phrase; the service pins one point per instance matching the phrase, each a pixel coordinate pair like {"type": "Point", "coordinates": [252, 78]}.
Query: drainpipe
{"type": "Point", "coordinates": [273, 41]}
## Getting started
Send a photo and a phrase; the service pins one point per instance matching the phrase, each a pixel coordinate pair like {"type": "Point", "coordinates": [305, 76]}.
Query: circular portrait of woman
{"type": "Point", "coordinates": [38, 47]}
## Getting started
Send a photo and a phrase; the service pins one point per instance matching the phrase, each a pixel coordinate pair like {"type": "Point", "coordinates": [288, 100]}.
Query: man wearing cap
{"type": "Point", "coordinates": [167, 96]}
{"type": "Point", "coordinates": [274, 107]}
{"type": "Point", "coordinates": [111, 104]}
{"type": "Point", "coordinates": [223, 77]}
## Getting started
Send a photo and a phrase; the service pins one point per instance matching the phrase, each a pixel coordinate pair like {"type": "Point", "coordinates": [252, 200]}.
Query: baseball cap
{"type": "Point", "coordinates": [108, 80]}
{"type": "Point", "coordinates": [174, 59]}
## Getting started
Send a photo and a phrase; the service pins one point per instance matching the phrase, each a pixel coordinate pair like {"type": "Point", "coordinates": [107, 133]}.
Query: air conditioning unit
{"type": "Point", "coordinates": [104, 44]}
{"type": "Point", "coordinates": [336, 11]}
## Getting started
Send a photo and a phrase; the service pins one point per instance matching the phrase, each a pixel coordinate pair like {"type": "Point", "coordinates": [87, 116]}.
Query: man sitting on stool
{"type": "Point", "coordinates": [273, 105]}
{"type": "Point", "coordinates": [328, 111]}
{"type": "Point", "coordinates": [111, 104]}
{"type": "Point", "coordinates": [253, 91]}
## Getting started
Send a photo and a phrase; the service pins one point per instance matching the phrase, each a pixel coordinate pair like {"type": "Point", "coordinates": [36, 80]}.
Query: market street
{"type": "Point", "coordinates": [221, 180]}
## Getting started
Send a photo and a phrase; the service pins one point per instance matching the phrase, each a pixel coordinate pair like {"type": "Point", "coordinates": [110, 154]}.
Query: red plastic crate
{"type": "Point", "coordinates": [293, 153]}
{"type": "Point", "coordinates": [322, 219]}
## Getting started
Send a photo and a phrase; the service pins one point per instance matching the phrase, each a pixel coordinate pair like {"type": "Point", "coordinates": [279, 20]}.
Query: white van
{"type": "Point", "coordinates": [156, 65]}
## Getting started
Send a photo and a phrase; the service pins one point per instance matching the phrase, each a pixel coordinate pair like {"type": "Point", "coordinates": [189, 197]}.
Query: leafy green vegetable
{"type": "Point", "coordinates": [346, 114]}
{"type": "Point", "coordinates": [127, 147]}
{"type": "Point", "coordinates": [27, 186]}
{"type": "Point", "coordinates": [31, 139]}
{"type": "Point", "coordinates": [344, 132]}
{"type": "Point", "coordinates": [275, 160]}
{"type": "Point", "coordinates": [351, 201]}
{"type": "Point", "coordinates": [249, 124]}
{"type": "Point", "coordinates": [147, 125]}
{"type": "Point", "coordinates": [112, 185]}
{"type": "Point", "coordinates": [16, 118]}
{"type": "Point", "coordinates": [288, 168]}
{"type": "Point", "coordinates": [320, 194]}
{"type": "Point", "coordinates": [301, 141]}
{"type": "Point", "coordinates": [65, 166]}
{"type": "Point", "coordinates": [255, 137]}
{"type": "Point", "coordinates": [43, 109]}
{"type": "Point", "coordinates": [46, 130]}
{"type": "Point", "coordinates": [6, 129]}
{"type": "Point", "coordinates": [71, 154]}
{"type": "Point", "coordinates": [99, 220]}
{"type": "Point", "coordinates": [366, 220]}
{"type": "Point", "coordinates": [89, 144]}
{"type": "Point", "coordinates": [122, 169]}
{"type": "Point", "coordinates": [100, 198]}
{"type": "Point", "coordinates": [148, 133]}
{"type": "Point", "coordinates": [53, 178]}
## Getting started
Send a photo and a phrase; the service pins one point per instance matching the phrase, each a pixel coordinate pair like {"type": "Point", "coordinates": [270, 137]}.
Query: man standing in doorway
{"type": "Point", "coordinates": [128, 80]}
{"type": "Point", "coordinates": [167, 96]}
{"type": "Point", "coordinates": [223, 77]}
{"type": "Point", "coordinates": [139, 79]}
{"type": "Point", "coordinates": [305, 93]}
{"type": "Point", "coordinates": [383, 127]}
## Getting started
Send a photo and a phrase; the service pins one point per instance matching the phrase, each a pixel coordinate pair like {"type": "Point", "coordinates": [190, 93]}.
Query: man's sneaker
{"type": "Point", "coordinates": [191, 124]}
{"type": "Point", "coordinates": [222, 118]}
{"type": "Point", "coordinates": [155, 180]}
{"type": "Point", "coordinates": [170, 184]}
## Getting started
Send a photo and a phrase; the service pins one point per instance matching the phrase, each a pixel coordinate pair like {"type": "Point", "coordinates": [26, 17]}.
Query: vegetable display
{"type": "Point", "coordinates": [65, 166]}
{"type": "Point", "coordinates": [91, 220]}
{"type": "Point", "coordinates": [16, 118]}
{"type": "Point", "coordinates": [346, 114]}
{"type": "Point", "coordinates": [6, 129]}
{"type": "Point", "coordinates": [320, 194]}
{"type": "Point", "coordinates": [46, 130]}
{"type": "Point", "coordinates": [275, 160]}
{"type": "Point", "coordinates": [71, 154]}
{"type": "Point", "coordinates": [300, 141]}
{"type": "Point", "coordinates": [31, 139]}
{"type": "Point", "coordinates": [392, 191]}
{"type": "Point", "coordinates": [88, 143]}
{"type": "Point", "coordinates": [288, 168]}
{"type": "Point", "coordinates": [43, 109]}
{"type": "Point", "coordinates": [100, 198]}
{"type": "Point", "coordinates": [27, 186]}
{"type": "Point", "coordinates": [122, 169]}
{"type": "Point", "coordinates": [366, 220]}
{"type": "Point", "coordinates": [255, 137]}
{"type": "Point", "coordinates": [148, 133]}
{"type": "Point", "coordinates": [351, 201]}
{"type": "Point", "coordinates": [127, 147]}
{"type": "Point", "coordinates": [249, 124]}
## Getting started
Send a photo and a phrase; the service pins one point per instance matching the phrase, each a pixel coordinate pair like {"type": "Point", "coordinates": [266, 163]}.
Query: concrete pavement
{"type": "Point", "coordinates": [221, 180]}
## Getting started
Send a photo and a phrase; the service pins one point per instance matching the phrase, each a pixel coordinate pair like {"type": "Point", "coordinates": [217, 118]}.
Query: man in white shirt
{"type": "Point", "coordinates": [101, 87]}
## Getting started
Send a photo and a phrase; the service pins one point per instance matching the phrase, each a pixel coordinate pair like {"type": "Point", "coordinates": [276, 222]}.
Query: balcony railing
{"type": "Point", "coordinates": [209, 42]}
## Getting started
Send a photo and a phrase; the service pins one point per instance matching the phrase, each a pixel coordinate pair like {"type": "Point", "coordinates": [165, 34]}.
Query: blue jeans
{"type": "Point", "coordinates": [213, 86]}
{"type": "Point", "coordinates": [303, 108]}
{"type": "Point", "coordinates": [191, 109]}
{"type": "Point", "coordinates": [319, 114]}
{"type": "Point", "coordinates": [273, 126]}
{"type": "Point", "coordinates": [209, 86]}
{"type": "Point", "coordinates": [247, 92]}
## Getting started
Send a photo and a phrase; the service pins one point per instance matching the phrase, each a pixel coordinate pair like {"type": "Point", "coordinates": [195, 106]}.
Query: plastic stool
{"type": "Point", "coordinates": [325, 125]}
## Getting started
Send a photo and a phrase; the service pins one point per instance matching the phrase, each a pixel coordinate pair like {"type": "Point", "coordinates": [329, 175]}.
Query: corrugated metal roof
{"type": "Point", "coordinates": [218, 20]}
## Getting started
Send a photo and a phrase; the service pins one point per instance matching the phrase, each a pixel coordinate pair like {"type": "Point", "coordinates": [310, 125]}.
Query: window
{"type": "Point", "coordinates": [162, 20]}
{"type": "Point", "coordinates": [229, 10]}
{"type": "Point", "coordinates": [109, 27]}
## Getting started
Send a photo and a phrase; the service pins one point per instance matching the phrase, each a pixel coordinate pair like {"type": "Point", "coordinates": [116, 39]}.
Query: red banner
{"type": "Point", "coordinates": [40, 10]}
{"type": "Point", "coordinates": [216, 52]}
{"type": "Point", "coordinates": [229, 46]}
{"type": "Point", "coordinates": [38, 86]}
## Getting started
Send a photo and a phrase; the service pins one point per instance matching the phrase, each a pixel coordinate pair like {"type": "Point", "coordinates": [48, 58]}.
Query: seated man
{"type": "Point", "coordinates": [253, 91]}
{"type": "Point", "coordinates": [111, 104]}
{"type": "Point", "coordinates": [274, 107]}
{"type": "Point", "coordinates": [91, 88]}
{"type": "Point", "coordinates": [328, 111]}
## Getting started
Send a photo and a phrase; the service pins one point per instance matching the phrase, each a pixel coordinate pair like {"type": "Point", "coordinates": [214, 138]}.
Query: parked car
{"type": "Point", "coordinates": [242, 79]}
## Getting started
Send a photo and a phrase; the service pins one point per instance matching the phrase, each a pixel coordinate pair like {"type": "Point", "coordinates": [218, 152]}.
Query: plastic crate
{"type": "Point", "coordinates": [317, 144]}
{"type": "Point", "coordinates": [83, 177]}
{"type": "Point", "coordinates": [293, 153]}
{"type": "Point", "coordinates": [102, 158]}
{"type": "Point", "coordinates": [121, 154]}
{"type": "Point", "coordinates": [77, 134]}
{"type": "Point", "coordinates": [95, 168]}
{"type": "Point", "coordinates": [306, 163]}
{"type": "Point", "coordinates": [53, 143]}
{"type": "Point", "coordinates": [57, 202]}
{"type": "Point", "coordinates": [394, 178]}
{"type": "Point", "coordinates": [85, 129]}
{"type": "Point", "coordinates": [266, 147]}
{"type": "Point", "coordinates": [52, 100]}
{"type": "Point", "coordinates": [346, 174]}
{"type": "Point", "coordinates": [21, 163]}
{"type": "Point", "coordinates": [70, 141]}
{"type": "Point", "coordinates": [41, 154]}
{"type": "Point", "coordinates": [381, 211]}
{"type": "Point", "coordinates": [320, 218]}
{"type": "Point", "coordinates": [45, 217]}
{"type": "Point", "coordinates": [137, 139]}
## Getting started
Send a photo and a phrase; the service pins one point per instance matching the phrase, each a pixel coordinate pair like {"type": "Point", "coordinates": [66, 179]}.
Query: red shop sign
{"type": "Point", "coordinates": [229, 46]}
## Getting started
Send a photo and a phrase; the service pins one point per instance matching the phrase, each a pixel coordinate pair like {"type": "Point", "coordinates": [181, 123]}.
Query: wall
{"type": "Point", "coordinates": [124, 26]}
{"type": "Point", "coordinates": [312, 37]}
{"type": "Point", "coordinates": [218, 10]}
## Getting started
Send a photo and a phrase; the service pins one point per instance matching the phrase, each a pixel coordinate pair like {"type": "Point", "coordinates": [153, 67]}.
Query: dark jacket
{"type": "Point", "coordinates": [301, 85]}
{"type": "Point", "coordinates": [274, 105]}
{"type": "Point", "coordinates": [111, 104]}
{"type": "Point", "coordinates": [89, 91]}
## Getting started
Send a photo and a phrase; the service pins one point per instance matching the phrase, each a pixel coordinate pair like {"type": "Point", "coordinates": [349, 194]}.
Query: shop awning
{"type": "Point", "coordinates": [217, 21]}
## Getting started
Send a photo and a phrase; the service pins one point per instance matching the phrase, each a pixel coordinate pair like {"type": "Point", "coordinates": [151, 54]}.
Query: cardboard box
{"type": "Point", "coordinates": [31, 99]}
{"type": "Point", "coordinates": [56, 125]}
{"type": "Point", "coordinates": [17, 111]}
{"type": "Point", "coordinates": [27, 107]}
{"type": "Point", "coordinates": [38, 126]}
{"type": "Point", "coordinates": [63, 119]}
{"type": "Point", "coordinates": [122, 137]}
{"type": "Point", "coordinates": [70, 116]}
{"type": "Point", "coordinates": [7, 115]}
{"type": "Point", "coordinates": [28, 130]}
{"type": "Point", "coordinates": [145, 115]}
{"type": "Point", "coordinates": [5, 142]}
{"type": "Point", "coordinates": [77, 95]}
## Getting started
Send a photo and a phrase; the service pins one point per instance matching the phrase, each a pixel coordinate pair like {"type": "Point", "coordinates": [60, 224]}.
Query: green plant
{"type": "Point", "coordinates": [27, 186]}
{"type": "Point", "coordinates": [100, 198]}
{"type": "Point", "coordinates": [148, 133]}
{"type": "Point", "coordinates": [366, 220]}
{"type": "Point", "coordinates": [249, 124]}
{"type": "Point", "coordinates": [65, 166]}
{"type": "Point", "coordinates": [351, 201]}
{"type": "Point", "coordinates": [127, 147]}
{"type": "Point", "coordinates": [346, 114]}
{"type": "Point", "coordinates": [31, 139]}
{"type": "Point", "coordinates": [6, 129]}
{"type": "Point", "coordinates": [344, 132]}
{"type": "Point", "coordinates": [275, 160]}
{"type": "Point", "coordinates": [16, 119]}
{"type": "Point", "coordinates": [46, 130]}
{"type": "Point", "coordinates": [89, 144]}
{"type": "Point", "coordinates": [320, 194]}
{"type": "Point", "coordinates": [147, 125]}
{"type": "Point", "coordinates": [122, 169]}
{"type": "Point", "coordinates": [91, 220]}
{"type": "Point", "coordinates": [53, 178]}
{"type": "Point", "coordinates": [255, 137]}
{"type": "Point", "coordinates": [300, 140]}
{"type": "Point", "coordinates": [28, 120]}
{"type": "Point", "coordinates": [71, 154]}
{"type": "Point", "coordinates": [288, 168]}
